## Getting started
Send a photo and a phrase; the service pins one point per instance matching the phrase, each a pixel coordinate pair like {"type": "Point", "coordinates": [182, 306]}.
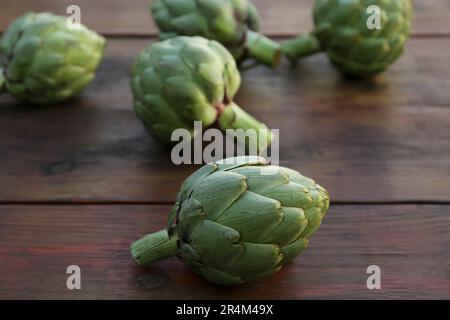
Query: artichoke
{"type": "Point", "coordinates": [44, 61]}
{"type": "Point", "coordinates": [238, 220]}
{"type": "Point", "coordinates": [185, 79]}
{"type": "Point", "coordinates": [234, 23]}
{"type": "Point", "coordinates": [342, 32]}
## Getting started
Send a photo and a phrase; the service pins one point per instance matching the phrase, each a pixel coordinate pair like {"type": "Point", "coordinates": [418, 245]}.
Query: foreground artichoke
{"type": "Point", "coordinates": [185, 79]}
{"type": "Point", "coordinates": [44, 61]}
{"type": "Point", "coordinates": [234, 23]}
{"type": "Point", "coordinates": [341, 31]}
{"type": "Point", "coordinates": [238, 220]}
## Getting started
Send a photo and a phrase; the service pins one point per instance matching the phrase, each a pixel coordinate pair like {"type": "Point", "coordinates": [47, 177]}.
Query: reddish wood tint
{"type": "Point", "coordinates": [279, 18]}
{"type": "Point", "coordinates": [409, 243]}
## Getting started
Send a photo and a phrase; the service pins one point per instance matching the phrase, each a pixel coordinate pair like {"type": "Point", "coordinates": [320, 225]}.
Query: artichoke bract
{"type": "Point", "coordinates": [342, 31]}
{"type": "Point", "coordinates": [185, 79]}
{"type": "Point", "coordinates": [238, 220]}
{"type": "Point", "coordinates": [44, 61]}
{"type": "Point", "coordinates": [234, 23]}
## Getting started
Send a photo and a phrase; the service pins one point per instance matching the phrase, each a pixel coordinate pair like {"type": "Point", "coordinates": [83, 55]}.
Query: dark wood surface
{"type": "Point", "coordinates": [368, 141]}
{"type": "Point", "coordinates": [80, 181]}
{"type": "Point", "coordinates": [409, 243]}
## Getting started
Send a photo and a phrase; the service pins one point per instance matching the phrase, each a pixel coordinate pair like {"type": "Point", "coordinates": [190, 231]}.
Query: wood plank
{"type": "Point", "coordinates": [379, 141]}
{"type": "Point", "coordinates": [37, 243]}
{"type": "Point", "coordinates": [283, 17]}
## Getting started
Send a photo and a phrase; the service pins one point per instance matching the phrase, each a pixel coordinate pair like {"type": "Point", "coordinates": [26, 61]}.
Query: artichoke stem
{"type": "Point", "coordinates": [2, 81]}
{"type": "Point", "coordinates": [300, 47]}
{"type": "Point", "coordinates": [153, 247]}
{"type": "Point", "coordinates": [233, 117]}
{"type": "Point", "coordinates": [263, 49]}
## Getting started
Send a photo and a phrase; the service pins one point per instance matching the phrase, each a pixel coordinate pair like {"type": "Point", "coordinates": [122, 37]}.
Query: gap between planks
{"type": "Point", "coordinates": [164, 203]}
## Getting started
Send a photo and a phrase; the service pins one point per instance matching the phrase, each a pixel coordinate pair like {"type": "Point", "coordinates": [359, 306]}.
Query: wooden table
{"type": "Point", "coordinates": [80, 182]}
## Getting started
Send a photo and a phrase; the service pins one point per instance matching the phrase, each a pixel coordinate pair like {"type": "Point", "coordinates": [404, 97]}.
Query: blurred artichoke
{"type": "Point", "coordinates": [44, 61]}
{"type": "Point", "coordinates": [342, 32]}
{"type": "Point", "coordinates": [238, 220]}
{"type": "Point", "coordinates": [234, 23]}
{"type": "Point", "coordinates": [185, 79]}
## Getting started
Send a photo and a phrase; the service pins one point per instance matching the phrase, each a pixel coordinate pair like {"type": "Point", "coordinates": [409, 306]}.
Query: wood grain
{"type": "Point", "coordinates": [409, 243]}
{"type": "Point", "coordinates": [279, 18]}
{"type": "Point", "coordinates": [80, 181]}
{"type": "Point", "coordinates": [379, 141]}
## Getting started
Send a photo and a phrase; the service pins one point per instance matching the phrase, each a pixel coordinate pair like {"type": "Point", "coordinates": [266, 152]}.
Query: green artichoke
{"type": "Point", "coordinates": [185, 79]}
{"type": "Point", "coordinates": [44, 61]}
{"type": "Point", "coordinates": [342, 32]}
{"type": "Point", "coordinates": [234, 23]}
{"type": "Point", "coordinates": [238, 220]}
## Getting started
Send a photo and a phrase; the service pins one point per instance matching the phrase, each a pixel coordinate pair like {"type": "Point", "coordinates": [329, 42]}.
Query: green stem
{"type": "Point", "coordinates": [154, 246]}
{"type": "Point", "coordinates": [2, 81]}
{"type": "Point", "coordinates": [233, 117]}
{"type": "Point", "coordinates": [300, 47]}
{"type": "Point", "coordinates": [263, 49]}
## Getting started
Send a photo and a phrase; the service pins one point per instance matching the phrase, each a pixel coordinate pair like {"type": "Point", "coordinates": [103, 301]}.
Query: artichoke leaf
{"type": "Point", "coordinates": [218, 276]}
{"type": "Point", "coordinates": [256, 259]}
{"type": "Point", "coordinates": [289, 228]}
{"type": "Point", "coordinates": [252, 215]}
{"type": "Point", "coordinates": [218, 192]}
{"type": "Point", "coordinates": [293, 250]}
{"type": "Point", "coordinates": [216, 245]}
